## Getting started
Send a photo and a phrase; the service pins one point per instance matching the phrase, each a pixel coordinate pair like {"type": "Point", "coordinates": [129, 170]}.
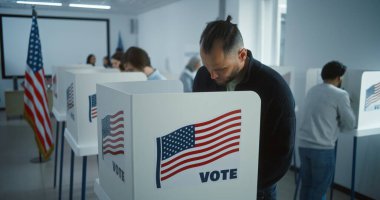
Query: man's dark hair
{"type": "Point", "coordinates": [333, 69]}
{"type": "Point", "coordinates": [136, 57]}
{"type": "Point", "coordinates": [224, 31]}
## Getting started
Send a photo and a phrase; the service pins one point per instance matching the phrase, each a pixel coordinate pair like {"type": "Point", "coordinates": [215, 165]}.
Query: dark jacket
{"type": "Point", "coordinates": [278, 122]}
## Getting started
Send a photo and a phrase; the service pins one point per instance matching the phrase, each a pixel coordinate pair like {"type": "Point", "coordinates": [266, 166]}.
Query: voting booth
{"type": "Point", "coordinates": [81, 104]}
{"type": "Point", "coordinates": [156, 142]}
{"type": "Point", "coordinates": [288, 73]}
{"type": "Point", "coordinates": [60, 83]}
{"type": "Point", "coordinates": [364, 89]}
{"type": "Point", "coordinates": [59, 88]}
{"type": "Point", "coordinates": [313, 77]}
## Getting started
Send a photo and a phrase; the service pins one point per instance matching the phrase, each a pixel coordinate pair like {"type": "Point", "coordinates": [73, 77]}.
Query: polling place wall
{"type": "Point", "coordinates": [320, 31]}
{"type": "Point", "coordinates": [118, 23]}
{"type": "Point", "coordinates": [188, 147]}
{"type": "Point", "coordinates": [170, 34]}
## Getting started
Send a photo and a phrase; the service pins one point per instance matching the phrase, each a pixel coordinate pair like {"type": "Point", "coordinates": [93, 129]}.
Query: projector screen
{"type": "Point", "coordinates": [64, 41]}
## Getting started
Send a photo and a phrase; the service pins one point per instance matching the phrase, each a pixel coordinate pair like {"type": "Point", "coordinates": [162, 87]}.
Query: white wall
{"type": "Point", "coordinates": [117, 23]}
{"type": "Point", "coordinates": [169, 32]}
{"type": "Point", "coordinates": [323, 30]}
{"type": "Point", "coordinates": [348, 31]}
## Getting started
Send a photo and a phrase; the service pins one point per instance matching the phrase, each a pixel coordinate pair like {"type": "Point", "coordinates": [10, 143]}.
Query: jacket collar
{"type": "Point", "coordinates": [251, 68]}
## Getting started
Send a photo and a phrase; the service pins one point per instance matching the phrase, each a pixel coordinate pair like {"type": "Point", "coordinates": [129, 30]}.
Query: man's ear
{"type": "Point", "coordinates": [242, 54]}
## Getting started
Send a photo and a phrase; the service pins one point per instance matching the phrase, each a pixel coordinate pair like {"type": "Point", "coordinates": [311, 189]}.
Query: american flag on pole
{"type": "Point", "coordinates": [35, 100]}
{"type": "Point", "coordinates": [197, 145]}
{"type": "Point", "coordinates": [113, 134]}
{"type": "Point", "coordinates": [92, 110]}
{"type": "Point", "coordinates": [372, 96]}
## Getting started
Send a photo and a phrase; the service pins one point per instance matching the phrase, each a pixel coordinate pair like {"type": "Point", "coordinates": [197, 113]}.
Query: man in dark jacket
{"type": "Point", "coordinates": [228, 66]}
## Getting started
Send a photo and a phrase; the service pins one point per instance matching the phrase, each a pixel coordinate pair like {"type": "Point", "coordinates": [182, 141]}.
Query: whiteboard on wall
{"type": "Point", "coordinates": [63, 41]}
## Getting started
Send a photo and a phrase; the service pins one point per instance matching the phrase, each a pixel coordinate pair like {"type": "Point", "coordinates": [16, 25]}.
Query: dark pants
{"type": "Point", "coordinates": [268, 193]}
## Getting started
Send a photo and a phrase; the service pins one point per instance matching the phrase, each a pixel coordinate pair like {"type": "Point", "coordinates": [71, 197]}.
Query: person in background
{"type": "Point", "coordinates": [136, 59]}
{"type": "Point", "coordinates": [116, 60]}
{"type": "Point", "coordinates": [326, 112]}
{"type": "Point", "coordinates": [188, 74]}
{"type": "Point", "coordinates": [106, 62]}
{"type": "Point", "coordinates": [91, 59]}
{"type": "Point", "coordinates": [228, 66]}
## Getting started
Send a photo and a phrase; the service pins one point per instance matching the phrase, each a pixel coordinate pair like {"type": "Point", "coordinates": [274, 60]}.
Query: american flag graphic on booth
{"type": "Point", "coordinates": [197, 145]}
{"type": "Point", "coordinates": [92, 110]}
{"type": "Point", "coordinates": [113, 134]}
{"type": "Point", "coordinates": [70, 96]}
{"type": "Point", "coordinates": [372, 96]}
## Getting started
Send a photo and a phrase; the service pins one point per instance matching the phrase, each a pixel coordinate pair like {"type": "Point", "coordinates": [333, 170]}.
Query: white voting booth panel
{"type": "Point", "coordinates": [313, 77]}
{"type": "Point", "coordinates": [288, 73]}
{"type": "Point", "coordinates": [159, 145]}
{"type": "Point", "coordinates": [364, 89]}
{"type": "Point", "coordinates": [60, 85]}
{"type": "Point", "coordinates": [82, 105]}
{"type": "Point", "coordinates": [59, 89]}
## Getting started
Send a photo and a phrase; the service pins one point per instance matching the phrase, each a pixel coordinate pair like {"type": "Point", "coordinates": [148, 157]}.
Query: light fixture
{"type": "Point", "coordinates": [89, 6]}
{"type": "Point", "coordinates": [39, 3]}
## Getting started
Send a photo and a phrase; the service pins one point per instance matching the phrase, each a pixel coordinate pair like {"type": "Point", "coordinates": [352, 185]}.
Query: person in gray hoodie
{"type": "Point", "coordinates": [326, 112]}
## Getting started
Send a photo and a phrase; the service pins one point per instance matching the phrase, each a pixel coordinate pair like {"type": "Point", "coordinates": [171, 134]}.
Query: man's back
{"type": "Point", "coordinates": [326, 110]}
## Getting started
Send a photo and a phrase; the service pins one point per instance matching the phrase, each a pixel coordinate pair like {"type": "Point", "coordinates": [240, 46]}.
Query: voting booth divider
{"type": "Point", "coordinates": [156, 142]}
{"type": "Point", "coordinates": [313, 77]}
{"type": "Point", "coordinates": [363, 87]}
{"type": "Point", "coordinates": [59, 89]}
{"type": "Point", "coordinates": [60, 84]}
{"type": "Point", "coordinates": [288, 73]}
{"type": "Point", "coordinates": [81, 133]}
{"type": "Point", "coordinates": [82, 106]}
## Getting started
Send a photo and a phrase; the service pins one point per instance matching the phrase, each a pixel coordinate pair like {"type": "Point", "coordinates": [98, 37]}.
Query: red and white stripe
{"type": "Point", "coordinates": [114, 142]}
{"type": "Point", "coordinates": [36, 107]}
{"type": "Point", "coordinates": [214, 139]}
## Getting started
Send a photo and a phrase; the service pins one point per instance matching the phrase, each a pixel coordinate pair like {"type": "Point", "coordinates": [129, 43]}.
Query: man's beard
{"type": "Point", "coordinates": [233, 75]}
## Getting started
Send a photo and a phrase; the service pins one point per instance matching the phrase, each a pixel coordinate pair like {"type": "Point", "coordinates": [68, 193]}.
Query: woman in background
{"type": "Point", "coordinates": [91, 59]}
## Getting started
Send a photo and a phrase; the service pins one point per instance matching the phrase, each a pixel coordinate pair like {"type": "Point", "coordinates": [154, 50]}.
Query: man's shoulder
{"type": "Point", "coordinates": [333, 91]}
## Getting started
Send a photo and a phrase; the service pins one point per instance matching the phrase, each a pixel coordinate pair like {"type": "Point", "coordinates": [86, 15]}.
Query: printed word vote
{"type": "Point", "coordinates": [218, 175]}
{"type": "Point", "coordinates": [118, 171]}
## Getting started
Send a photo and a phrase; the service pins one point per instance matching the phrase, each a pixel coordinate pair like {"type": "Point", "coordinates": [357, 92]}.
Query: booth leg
{"type": "Point", "coordinates": [56, 154]}
{"type": "Point", "coordinates": [353, 169]}
{"type": "Point", "coordinates": [84, 170]}
{"type": "Point", "coordinates": [61, 164]}
{"type": "Point", "coordinates": [71, 174]}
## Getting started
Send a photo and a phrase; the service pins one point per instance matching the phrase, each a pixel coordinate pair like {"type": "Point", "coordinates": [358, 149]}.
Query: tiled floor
{"type": "Point", "coordinates": [22, 179]}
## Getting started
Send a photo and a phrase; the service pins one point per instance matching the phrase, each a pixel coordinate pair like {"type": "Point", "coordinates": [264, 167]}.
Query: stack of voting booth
{"type": "Point", "coordinates": [156, 142]}
{"type": "Point", "coordinates": [59, 89]}
{"type": "Point", "coordinates": [60, 85]}
{"type": "Point", "coordinates": [81, 105]}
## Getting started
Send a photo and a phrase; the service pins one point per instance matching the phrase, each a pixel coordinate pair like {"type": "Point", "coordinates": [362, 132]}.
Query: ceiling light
{"type": "Point", "coordinates": [89, 6]}
{"type": "Point", "coordinates": [39, 3]}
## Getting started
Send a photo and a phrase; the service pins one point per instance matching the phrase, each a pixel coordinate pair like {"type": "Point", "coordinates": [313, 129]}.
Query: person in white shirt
{"type": "Point", "coordinates": [136, 59]}
{"type": "Point", "coordinates": [326, 112]}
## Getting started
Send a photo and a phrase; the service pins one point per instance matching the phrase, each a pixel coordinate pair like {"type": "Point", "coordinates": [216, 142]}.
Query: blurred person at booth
{"type": "Point", "coordinates": [136, 59]}
{"type": "Point", "coordinates": [188, 74]}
